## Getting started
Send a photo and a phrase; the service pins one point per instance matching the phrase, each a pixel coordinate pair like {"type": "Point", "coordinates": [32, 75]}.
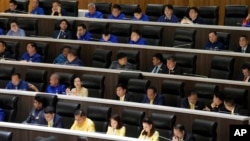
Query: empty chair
{"type": "Point", "coordinates": [37, 78]}
{"type": "Point", "coordinates": [101, 58]}
{"type": "Point", "coordinates": [9, 105]}
{"type": "Point", "coordinates": [152, 35]}
{"type": "Point", "coordinates": [154, 11]}
{"type": "Point", "coordinates": [71, 7]}
{"type": "Point", "coordinates": [234, 14]}
{"type": "Point", "coordinates": [6, 136]}
{"type": "Point", "coordinates": [66, 78]}
{"type": "Point", "coordinates": [224, 38]}
{"type": "Point", "coordinates": [100, 116]}
{"type": "Point", "coordinates": [67, 110]}
{"type": "Point", "coordinates": [137, 88]}
{"type": "Point", "coordinates": [164, 124]}
{"type": "Point", "coordinates": [5, 75]}
{"type": "Point", "coordinates": [128, 9]}
{"type": "Point", "coordinates": [46, 5]}
{"type": "Point", "coordinates": [104, 7]}
{"type": "Point", "coordinates": [23, 5]}
{"type": "Point", "coordinates": [96, 29]}
{"type": "Point", "coordinates": [239, 94]}
{"type": "Point", "coordinates": [173, 91]}
{"type": "Point", "coordinates": [205, 92]}
{"type": "Point", "coordinates": [132, 121]}
{"type": "Point", "coordinates": [204, 130]}
{"type": "Point", "coordinates": [184, 38]}
{"type": "Point", "coordinates": [94, 84]}
{"type": "Point", "coordinates": [13, 47]}
{"type": "Point", "coordinates": [187, 62]}
{"type": "Point", "coordinates": [30, 26]}
{"type": "Point", "coordinates": [133, 57]}
{"type": "Point", "coordinates": [4, 24]}
{"type": "Point", "coordinates": [124, 77]}
{"type": "Point", "coordinates": [180, 11]}
{"type": "Point", "coordinates": [50, 100]}
{"type": "Point", "coordinates": [42, 49]}
{"type": "Point", "coordinates": [222, 67]}
{"type": "Point", "coordinates": [209, 14]}
{"type": "Point", "coordinates": [122, 31]}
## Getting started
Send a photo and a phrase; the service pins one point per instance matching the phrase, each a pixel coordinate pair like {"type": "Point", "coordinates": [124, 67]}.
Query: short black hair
{"type": "Point", "coordinates": [117, 6]}
{"type": "Point", "coordinates": [246, 66]}
{"type": "Point", "coordinates": [3, 42]}
{"type": "Point", "coordinates": [172, 58]}
{"type": "Point", "coordinates": [40, 99]}
{"type": "Point", "coordinates": [121, 85]}
{"type": "Point", "coordinates": [33, 44]}
{"type": "Point", "coordinates": [49, 110]}
{"type": "Point", "coordinates": [215, 33]}
{"type": "Point", "coordinates": [169, 6]}
{"type": "Point", "coordinates": [13, 21]}
{"type": "Point", "coordinates": [73, 52]}
{"type": "Point", "coordinates": [192, 92]}
{"type": "Point", "coordinates": [244, 36]}
{"type": "Point", "coordinates": [138, 32]}
{"type": "Point", "coordinates": [16, 74]}
{"type": "Point", "coordinates": [82, 25]}
{"type": "Point", "coordinates": [138, 10]}
{"type": "Point", "coordinates": [230, 100]}
{"type": "Point", "coordinates": [13, 1]}
{"type": "Point", "coordinates": [179, 127]}
{"type": "Point", "coordinates": [121, 55]}
{"type": "Point", "coordinates": [193, 8]}
{"type": "Point", "coordinates": [219, 95]}
{"type": "Point", "coordinates": [56, 1]}
{"type": "Point", "coordinates": [152, 88]}
{"type": "Point", "coordinates": [80, 112]}
{"type": "Point", "coordinates": [67, 46]}
{"type": "Point", "coordinates": [106, 32]}
{"type": "Point", "coordinates": [158, 56]}
{"type": "Point", "coordinates": [64, 20]}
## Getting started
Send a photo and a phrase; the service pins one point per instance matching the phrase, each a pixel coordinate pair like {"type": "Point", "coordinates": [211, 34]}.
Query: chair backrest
{"type": "Point", "coordinates": [224, 38]}
{"type": "Point", "coordinates": [180, 11]}
{"type": "Point", "coordinates": [205, 92]}
{"type": "Point", "coordinates": [67, 110]}
{"type": "Point", "coordinates": [9, 105]}
{"type": "Point", "coordinates": [23, 5]}
{"type": "Point", "coordinates": [6, 136]}
{"type": "Point", "coordinates": [30, 26]}
{"type": "Point", "coordinates": [124, 77]}
{"type": "Point", "coordinates": [4, 24]}
{"type": "Point", "coordinates": [42, 49]}
{"type": "Point", "coordinates": [154, 11]}
{"type": "Point", "coordinates": [66, 78]}
{"type": "Point", "coordinates": [71, 6]}
{"type": "Point", "coordinates": [172, 90]}
{"type": "Point", "coordinates": [96, 29]}
{"type": "Point", "coordinates": [164, 124]}
{"type": "Point", "coordinates": [133, 57]}
{"type": "Point", "coordinates": [94, 84]}
{"type": "Point", "coordinates": [50, 100]}
{"type": "Point", "coordinates": [187, 62]}
{"type": "Point", "coordinates": [104, 7]}
{"type": "Point", "coordinates": [184, 38]}
{"type": "Point", "coordinates": [209, 14]}
{"type": "Point", "coordinates": [204, 130]}
{"type": "Point", "coordinates": [46, 5]}
{"type": "Point", "coordinates": [234, 14]}
{"type": "Point", "coordinates": [137, 88]}
{"type": "Point", "coordinates": [122, 31]}
{"type": "Point", "coordinates": [5, 75]}
{"type": "Point", "coordinates": [13, 47]}
{"type": "Point", "coordinates": [240, 95]}
{"type": "Point", "coordinates": [132, 120]}
{"type": "Point", "coordinates": [152, 35]}
{"type": "Point", "coordinates": [101, 58]}
{"type": "Point", "coordinates": [100, 116]}
{"type": "Point", "coordinates": [37, 78]}
{"type": "Point", "coordinates": [222, 67]}
{"type": "Point", "coordinates": [128, 9]}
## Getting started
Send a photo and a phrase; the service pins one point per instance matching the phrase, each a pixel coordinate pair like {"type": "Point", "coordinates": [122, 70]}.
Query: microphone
{"type": "Point", "coordinates": [182, 45]}
{"type": "Point", "coordinates": [167, 139]}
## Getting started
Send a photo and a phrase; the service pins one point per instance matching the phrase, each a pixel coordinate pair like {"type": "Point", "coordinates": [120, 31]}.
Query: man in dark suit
{"type": "Point", "coordinates": [121, 93]}
{"type": "Point", "coordinates": [152, 97]}
{"type": "Point", "coordinates": [243, 45]}
{"type": "Point", "coordinates": [158, 66]}
{"type": "Point", "coordinates": [245, 75]}
{"type": "Point", "coordinates": [13, 7]}
{"type": "Point", "coordinates": [180, 134]}
{"type": "Point", "coordinates": [52, 119]}
{"type": "Point", "coordinates": [234, 108]}
{"type": "Point", "coordinates": [217, 104]}
{"type": "Point", "coordinates": [172, 68]}
{"type": "Point", "coordinates": [191, 102]}
{"type": "Point", "coordinates": [63, 33]}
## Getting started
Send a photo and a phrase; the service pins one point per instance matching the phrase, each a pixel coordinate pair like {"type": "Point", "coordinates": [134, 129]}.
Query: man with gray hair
{"type": "Point", "coordinates": [55, 87]}
{"type": "Point", "coordinates": [92, 12]}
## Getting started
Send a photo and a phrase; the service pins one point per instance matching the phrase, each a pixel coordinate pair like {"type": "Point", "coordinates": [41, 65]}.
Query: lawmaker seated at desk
{"type": "Point", "coordinates": [193, 17]}
{"type": "Point", "coordinates": [13, 7]}
{"type": "Point", "coordinates": [116, 126]}
{"type": "Point", "coordinates": [63, 33]}
{"type": "Point", "coordinates": [158, 66]}
{"type": "Point", "coordinates": [17, 83]}
{"type": "Point", "coordinates": [180, 134]}
{"type": "Point", "coordinates": [82, 123]}
{"type": "Point", "coordinates": [108, 37]}
{"type": "Point", "coordinates": [4, 53]}
{"type": "Point", "coordinates": [116, 13]}
{"type": "Point", "coordinates": [15, 30]}
{"type": "Point", "coordinates": [2, 114]}
{"type": "Point", "coordinates": [73, 59]}
{"type": "Point", "coordinates": [52, 119]}
{"type": "Point", "coordinates": [233, 108]}
{"type": "Point", "coordinates": [35, 9]}
{"type": "Point", "coordinates": [121, 93]}
{"type": "Point", "coordinates": [245, 75]}
{"type": "Point", "coordinates": [217, 104]}
{"type": "Point", "coordinates": [121, 63]}
{"type": "Point", "coordinates": [78, 90]}
{"type": "Point", "coordinates": [139, 16]}
{"type": "Point", "coordinates": [172, 67]}
{"type": "Point", "coordinates": [246, 21]}
{"type": "Point", "coordinates": [243, 45]}
{"type": "Point", "coordinates": [213, 42]}
{"type": "Point", "coordinates": [152, 97]}
{"type": "Point", "coordinates": [92, 11]}
{"type": "Point", "coordinates": [169, 15]}
{"type": "Point", "coordinates": [192, 102]}
{"type": "Point", "coordinates": [57, 9]}
{"type": "Point", "coordinates": [31, 54]}
{"type": "Point", "coordinates": [62, 57]}
{"type": "Point", "coordinates": [149, 132]}
{"type": "Point", "coordinates": [82, 33]}
{"type": "Point", "coordinates": [136, 39]}
{"type": "Point", "coordinates": [55, 87]}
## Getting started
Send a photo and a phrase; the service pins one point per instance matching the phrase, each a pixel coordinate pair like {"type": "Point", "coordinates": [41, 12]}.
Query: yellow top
{"type": "Point", "coordinates": [154, 137]}
{"type": "Point", "coordinates": [192, 106]}
{"type": "Point", "coordinates": [151, 102]}
{"type": "Point", "coordinates": [118, 132]}
{"type": "Point", "coordinates": [83, 92]}
{"type": "Point", "coordinates": [88, 126]}
{"type": "Point", "coordinates": [122, 98]}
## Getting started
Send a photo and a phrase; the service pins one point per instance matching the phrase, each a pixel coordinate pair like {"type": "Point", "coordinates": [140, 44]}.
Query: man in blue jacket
{"type": "Point", "coordinates": [2, 114]}
{"type": "Point", "coordinates": [152, 97]}
{"type": "Point", "coordinates": [52, 119]}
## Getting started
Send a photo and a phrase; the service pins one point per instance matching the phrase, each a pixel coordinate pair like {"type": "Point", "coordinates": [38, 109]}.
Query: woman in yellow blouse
{"type": "Point", "coordinates": [148, 133]}
{"type": "Point", "coordinates": [116, 127]}
{"type": "Point", "coordinates": [78, 90]}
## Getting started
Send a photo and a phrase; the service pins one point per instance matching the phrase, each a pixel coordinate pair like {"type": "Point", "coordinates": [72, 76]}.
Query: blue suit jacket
{"type": "Point", "coordinates": [2, 114]}
{"type": "Point", "coordinates": [185, 104]}
{"type": "Point", "coordinates": [63, 35]}
{"type": "Point", "coordinates": [36, 117]}
{"type": "Point", "coordinates": [57, 122]}
{"type": "Point", "coordinates": [1, 32]}
{"type": "Point", "coordinates": [157, 101]}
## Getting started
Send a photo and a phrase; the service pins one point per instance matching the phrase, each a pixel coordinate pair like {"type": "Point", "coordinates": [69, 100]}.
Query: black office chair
{"type": "Point", "coordinates": [5, 75]}
{"type": "Point", "coordinates": [137, 88]}
{"type": "Point", "coordinates": [6, 136]}
{"type": "Point", "coordinates": [132, 120]}
{"type": "Point", "coordinates": [204, 130]}
{"type": "Point", "coordinates": [94, 84]}
{"type": "Point", "coordinates": [67, 110]}
{"type": "Point", "coordinates": [23, 5]}
{"type": "Point", "coordinates": [184, 38]}
{"type": "Point", "coordinates": [122, 31]}
{"type": "Point", "coordinates": [71, 6]}
{"type": "Point", "coordinates": [209, 14]}
{"type": "Point", "coordinates": [30, 26]}
{"type": "Point", "coordinates": [152, 35]}
{"type": "Point", "coordinates": [133, 57]}
{"type": "Point", "coordinates": [82, 139]}
{"type": "Point", "coordinates": [205, 92]}
{"type": "Point", "coordinates": [234, 14]}
{"type": "Point", "coordinates": [154, 11]}
{"type": "Point", "coordinates": [124, 77]}
{"type": "Point", "coordinates": [239, 94]}
{"type": "Point", "coordinates": [37, 77]}
{"type": "Point", "coordinates": [222, 67]}
{"type": "Point", "coordinates": [4, 24]}
{"type": "Point", "coordinates": [104, 7]}
{"type": "Point", "coordinates": [187, 62]}
{"type": "Point", "coordinates": [100, 116]}
{"type": "Point", "coordinates": [50, 100]}
{"type": "Point", "coordinates": [13, 47]}
{"type": "Point", "coordinates": [42, 49]}
{"type": "Point", "coordinates": [66, 79]}
{"type": "Point", "coordinates": [46, 5]}
{"type": "Point", "coordinates": [128, 10]}
{"type": "Point", "coordinates": [96, 29]}
{"type": "Point", "coordinates": [101, 58]}
{"type": "Point", "coordinates": [172, 91]}
{"type": "Point", "coordinates": [180, 12]}
{"type": "Point", "coordinates": [9, 105]}
{"type": "Point", "coordinates": [224, 38]}
{"type": "Point", "coordinates": [164, 124]}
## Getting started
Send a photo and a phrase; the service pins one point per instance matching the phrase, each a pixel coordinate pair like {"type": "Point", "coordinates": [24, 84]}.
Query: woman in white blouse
{"type": "Point", "coordinates": [78, 90]}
